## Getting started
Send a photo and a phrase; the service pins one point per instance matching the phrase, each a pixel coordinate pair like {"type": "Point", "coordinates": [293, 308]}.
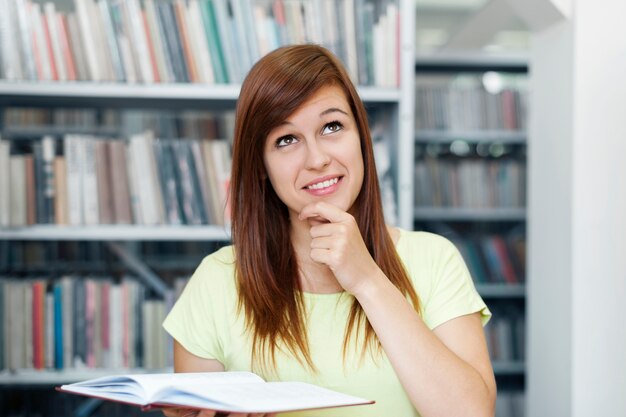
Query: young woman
{"type": "Point", "coordinates": [315, 287]}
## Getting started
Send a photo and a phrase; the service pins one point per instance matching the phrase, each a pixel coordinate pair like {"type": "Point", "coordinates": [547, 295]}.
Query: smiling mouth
{"type": "Point", "coordinates": [323, 184]}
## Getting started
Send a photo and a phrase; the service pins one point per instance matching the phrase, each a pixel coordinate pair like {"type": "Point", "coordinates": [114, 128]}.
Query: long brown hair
{"type": "Point", "coordinates": [266, 264]}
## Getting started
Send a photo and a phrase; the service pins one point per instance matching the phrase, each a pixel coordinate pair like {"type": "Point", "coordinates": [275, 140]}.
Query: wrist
{"type": "Point", "coordinates": [370, 287]}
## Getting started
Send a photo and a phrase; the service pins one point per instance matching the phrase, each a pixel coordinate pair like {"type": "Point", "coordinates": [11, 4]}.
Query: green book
{"type": "Point", "coordinates": [215, 45]}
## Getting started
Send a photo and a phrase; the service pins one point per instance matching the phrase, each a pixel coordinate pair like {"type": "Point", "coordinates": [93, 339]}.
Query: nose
{"type": "Point", "coordinates": [316, 158]}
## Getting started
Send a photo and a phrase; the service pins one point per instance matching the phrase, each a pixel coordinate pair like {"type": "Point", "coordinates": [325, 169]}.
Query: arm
{"type": "Point", "coordinates": [445, 371]}
{"type": "Point", "coordinates": [185, 361]}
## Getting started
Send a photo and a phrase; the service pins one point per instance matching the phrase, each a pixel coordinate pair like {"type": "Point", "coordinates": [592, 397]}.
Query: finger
{"type": "Point", "coordinates": [324, 210]}
{"type": "Point", "coordinates": [328, 229]}
{"type": "Point", "coordinates": [324, 242]}
{"type": "Point", "coordinates": [322, 256]}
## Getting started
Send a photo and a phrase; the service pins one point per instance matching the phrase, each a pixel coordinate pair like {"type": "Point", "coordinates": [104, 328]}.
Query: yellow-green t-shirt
{"type": "Point", "coordinates": [205, 321]}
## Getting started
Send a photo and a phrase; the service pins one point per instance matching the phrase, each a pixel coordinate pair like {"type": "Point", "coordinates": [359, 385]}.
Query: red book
{"type": "Point", "coordinates": [151, 46]}
{"type": "Point", "coordinates": [505, 261]}
{"type": "Point", "coordinates": [39, 296]}
{"type": "Point", "coordinates": [104, 314]}
{"type": "Point", "coordinates": [90, 313]}
{"type": "Point", "coordinates": [48, 48]}
{"type": "Point", "coordinates": [31, 205]}
{"type": "Point", "coordinates": [66, 49]}
{"type": "Point", "coordinates": [186, 42]}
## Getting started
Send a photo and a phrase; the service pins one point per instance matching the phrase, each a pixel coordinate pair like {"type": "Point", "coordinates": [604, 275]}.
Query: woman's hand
{"type": "Point", "coordinates": [339, 245]}
{"type": "Point", "coordinates": [187, 412]}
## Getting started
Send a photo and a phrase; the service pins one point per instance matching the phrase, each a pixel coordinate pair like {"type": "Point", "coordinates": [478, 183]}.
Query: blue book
{"type": "Point", "coordinates": [58, 326]}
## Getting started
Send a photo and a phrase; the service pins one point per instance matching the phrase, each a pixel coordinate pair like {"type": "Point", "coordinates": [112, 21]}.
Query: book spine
{"type": "Point", "coordinates": [5, 183]}
{"type": "Point", "coordinates": [17, 191]}
{"type": "Point", "coordinates": [58, 326]}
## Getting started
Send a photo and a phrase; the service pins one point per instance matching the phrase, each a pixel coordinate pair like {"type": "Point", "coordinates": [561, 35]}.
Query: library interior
{"type": "Point", "coordinates": [495, 124]}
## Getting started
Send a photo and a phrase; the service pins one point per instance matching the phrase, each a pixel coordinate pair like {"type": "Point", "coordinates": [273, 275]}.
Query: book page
{"type": "Point", "coordinates": [140, 388]}
{"type": "Point", "coordinates": [258, 398]}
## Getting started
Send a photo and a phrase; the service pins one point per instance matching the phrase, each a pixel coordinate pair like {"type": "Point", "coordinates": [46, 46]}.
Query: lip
{"type": "Point", "coordinates": [322, 179]}
{"type": "Point", "coordinates": [324, 191]}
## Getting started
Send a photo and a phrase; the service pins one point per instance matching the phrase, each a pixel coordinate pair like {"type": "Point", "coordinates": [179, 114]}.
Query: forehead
{"type": "Point", "coordinates": [326, 97]}
{"type": "Point", "coordinates": [327, 94]}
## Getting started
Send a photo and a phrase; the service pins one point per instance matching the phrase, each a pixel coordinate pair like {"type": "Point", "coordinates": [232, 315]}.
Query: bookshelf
{"type": "Point", "coordinates": [102, 102]}
{"type": "Point", "coordinates": [470, 182]}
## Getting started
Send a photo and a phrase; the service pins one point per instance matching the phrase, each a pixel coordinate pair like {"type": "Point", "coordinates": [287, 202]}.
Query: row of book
{"type": "Point", "coordinates": [92, 181]}
{"type": "Point", "coordinates": [29, 122]}
{"type": "Point", "coordinates": [82, 322]}
{"type": "Point", "coordinates": [505, 334]}
{"type": "Point", "coordinates": [494, 259]}
{"type": "Point", "coordinates": [199, 41]}
{"type": "Point", "coordinates": [470, 182]}
{"type": "Point", "coordinates": [469, 108]}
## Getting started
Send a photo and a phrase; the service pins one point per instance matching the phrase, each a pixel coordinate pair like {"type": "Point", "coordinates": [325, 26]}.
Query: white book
{"type": "Point", "coordinates": [391, 46]}
{"type": "Point", "coordinates": [198, 41]}
{"type": "Point", "coordinates": [17, 191]}
{"type": "Point", "coordinates": [26, 39]}
{"type": "Point", "coordinates": [140, 42]}
{"type": "Point", "coordinates": [147, 188]}
{"type": "Point", "coordinates": [103, 55]}
{"type": "Point", "coordinates": [88, 40]}
{"type": "Point", "coordinates": [74, 150]}
{"type": "Point", "coordinates": [27, 311]}
{"type": "Point", "coordinates": [5, 181]}
{"type": "Point", "coordinates": [40, 46]}
{"type": "Point", "coordinates": [91, 210]}
{"type": "Point", "coordinates": [232, 392]}
{"type": "Point", "coordinates": [111, 40]}
{"type": "Point", "coordinates": [379, 41]}
{"type": "Point", "coordinates": [10, 63]}
{"type": "Point", "coordinates": [116, 327]}
{"type": "Point", "coordinates": [50, 15]}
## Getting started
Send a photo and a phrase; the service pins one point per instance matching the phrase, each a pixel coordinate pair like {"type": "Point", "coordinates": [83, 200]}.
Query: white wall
{"type": "Point", "coordinates": [549, 223]}
{"type": "Point", "coordinates": [577, 215]}
{"type": "Point", "coordinates": [599, 210]}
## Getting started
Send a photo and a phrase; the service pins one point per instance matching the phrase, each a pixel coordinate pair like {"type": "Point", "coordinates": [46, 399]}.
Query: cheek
{"type": "Point", "coordinates": [279, 173]}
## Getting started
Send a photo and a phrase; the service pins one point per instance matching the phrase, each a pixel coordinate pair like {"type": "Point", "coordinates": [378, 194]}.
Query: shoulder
{"type": "Point", "coordinates": [429, 260]}
{"type": "Point", "coordinates": [423, 245]}
{"type": "Point", "coordinates": [223, 258]}
{"type": "Point", "coordinates": [216, 269]}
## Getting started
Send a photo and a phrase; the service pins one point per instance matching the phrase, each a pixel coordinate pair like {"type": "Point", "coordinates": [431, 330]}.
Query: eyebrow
{"type": "Point", "coordinates": [332, 110]}
{"type": "Point", "coordinates": [324, 113]}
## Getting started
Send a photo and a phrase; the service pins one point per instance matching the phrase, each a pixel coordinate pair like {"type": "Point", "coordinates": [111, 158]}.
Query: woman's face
{"type": "Point", "coordinates": [315, 154]}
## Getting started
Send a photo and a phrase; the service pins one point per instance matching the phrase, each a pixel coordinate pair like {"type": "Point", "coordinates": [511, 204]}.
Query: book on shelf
{"type": "Point", "coordinates": [505, 334]}
{"type": "Point", "coordinates": [200, 41]}
{"type": "Point", "coordinates": [470, 182]}
{"type": "Point", "coordinates": [462, 103]}
{"type": "Point", "coordinates": [81, 322]}
{"type": "Point", "coordinates": [494, 259]}
{"type": "Point", "coordinates": [232, 392]}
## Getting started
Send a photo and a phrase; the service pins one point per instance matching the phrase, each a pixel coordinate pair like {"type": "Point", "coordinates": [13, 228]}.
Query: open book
{"type": "Point", "coordinates": [232, 392]}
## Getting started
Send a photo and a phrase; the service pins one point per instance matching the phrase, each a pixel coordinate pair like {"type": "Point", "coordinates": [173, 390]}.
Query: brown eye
{"type": "Point", "coordinates": [332, 127]}
{"type": "Point", "coordinates": [285, 141]}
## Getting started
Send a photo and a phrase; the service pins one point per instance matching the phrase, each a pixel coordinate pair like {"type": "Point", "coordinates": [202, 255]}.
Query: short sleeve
{"type": "Point", "coordinates": [197, 319]}
{"type": "Point", "coordinates": [452, 292]}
